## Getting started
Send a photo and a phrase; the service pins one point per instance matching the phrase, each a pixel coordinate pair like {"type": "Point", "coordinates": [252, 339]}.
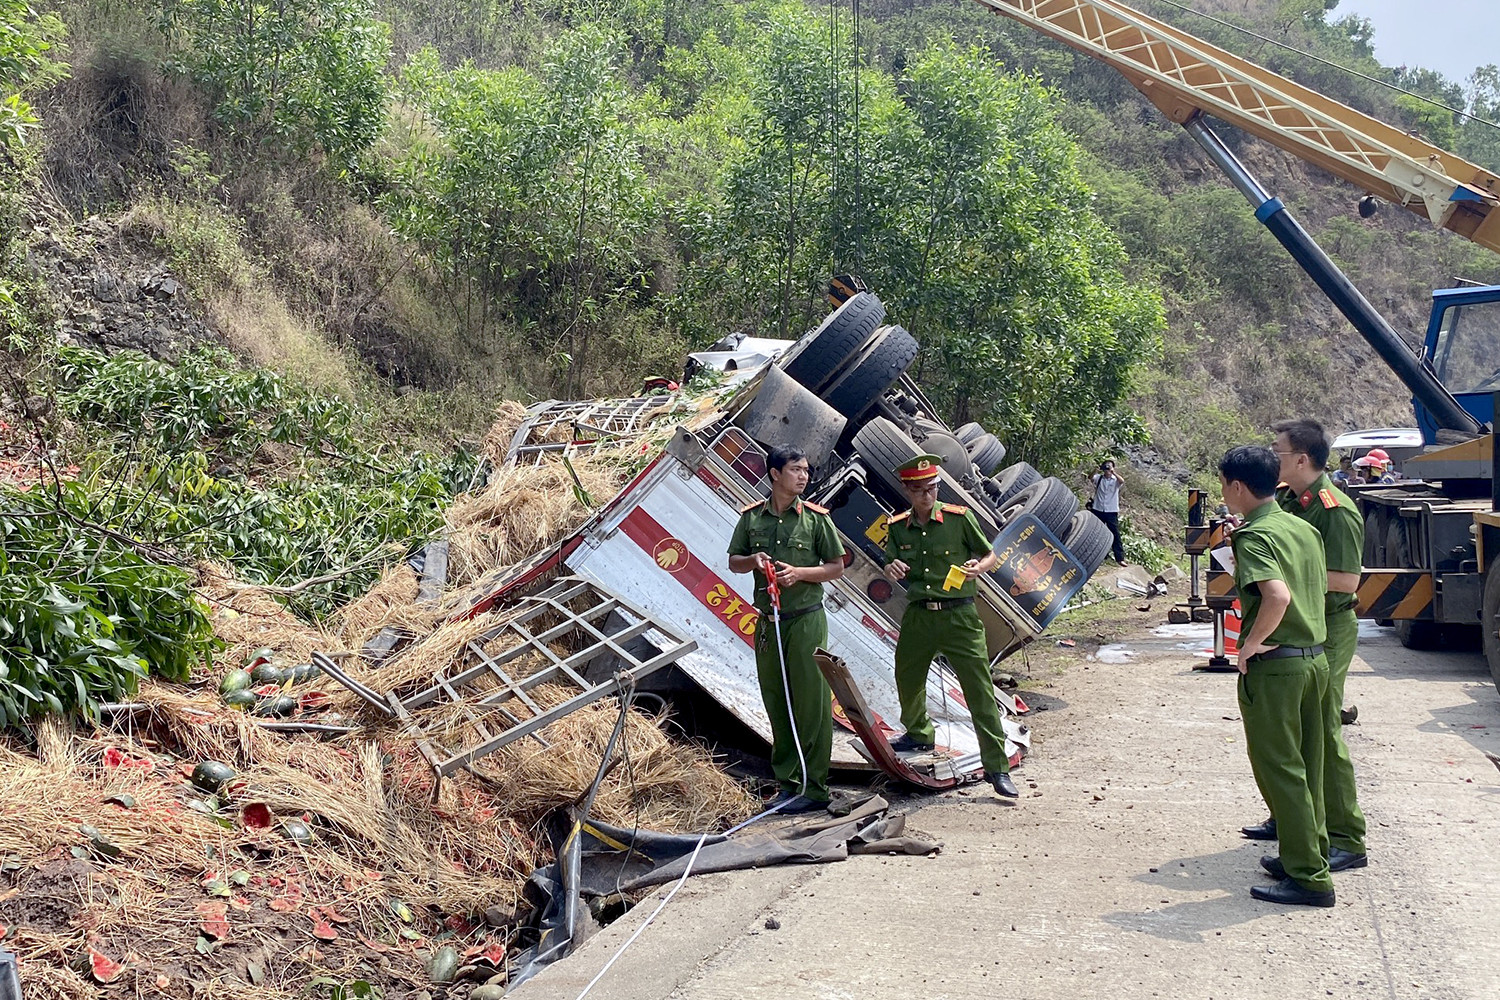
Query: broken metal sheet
{"type": "Point", "coordinates": [870, 829]}
{"type": "Point", "coordinates": [548, 639]}
{"type": "Point", "coordinates": [944, 773]}
{"type": "Point", "coordinates": [665, 540]}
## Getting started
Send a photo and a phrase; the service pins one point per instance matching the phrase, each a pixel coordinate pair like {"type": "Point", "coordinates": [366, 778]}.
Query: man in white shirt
{"type": "Point", "coordinates": [1106, 503]}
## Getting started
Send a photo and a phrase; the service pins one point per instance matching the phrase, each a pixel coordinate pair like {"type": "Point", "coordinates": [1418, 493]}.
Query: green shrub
{"type": "Point", "coordinates": [305, 73]}
{"type": "Point", "coordinates": [83, 615]}
{"type": "Point", "coordinates": [206, 402]}
{"type": "Point", "coordinates": [26, 38]}
{"type": "Point", "coordinates": [289, 530]}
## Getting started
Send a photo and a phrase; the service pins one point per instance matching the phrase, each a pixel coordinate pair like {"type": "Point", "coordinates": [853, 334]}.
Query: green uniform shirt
{"type": "Point", "coordinates": [802, 536]}
{"type": "Point", "coordinates": [1334, 514]}
{"type": "Point", "coordinates": [951, 537]}
{"type": "Point", "coordinates": [1274, 545]}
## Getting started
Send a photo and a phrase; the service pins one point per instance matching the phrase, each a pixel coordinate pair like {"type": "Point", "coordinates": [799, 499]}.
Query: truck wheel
{"type": "Point", "coordinates": [1050, 500]}
{"type": "Point", "coordinates": [1489, 620]}
{"type": "Point", "coordinates": [1089, 540]}
{"type": "Point", "coordinates": [889, 353]}
{"type": "Point", "coordinates": [968, 432]}
{"type": "Point", "coordinates": [1013, 480]}
{"type": "Point", "coordinates": [1419, 635]}
{"type": "Point", "coordinates": [819, 356]}
{"type": "Point", "coordinates": [987, 453]}
{"type": "Point", "coordinates": [882, 446]}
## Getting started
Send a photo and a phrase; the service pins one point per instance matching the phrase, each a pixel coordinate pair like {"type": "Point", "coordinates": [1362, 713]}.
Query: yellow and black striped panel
{"type": "Point", "coordinates": [1220, 584]}
{"type": "Point", "coordinates": [1197, 540]}
{"type": "Point", "coordinates": [843, 287]}
{"type": "Point", "coordinates": [1398, 595]}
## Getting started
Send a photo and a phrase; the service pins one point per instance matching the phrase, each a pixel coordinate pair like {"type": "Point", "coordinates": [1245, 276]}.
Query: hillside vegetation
{"type": "Point", "coordinates": [264, 269]}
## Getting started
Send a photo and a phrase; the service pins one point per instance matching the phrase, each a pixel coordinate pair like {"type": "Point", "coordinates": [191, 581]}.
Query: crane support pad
{"type": "Point", "coordinates": [1398, 595]}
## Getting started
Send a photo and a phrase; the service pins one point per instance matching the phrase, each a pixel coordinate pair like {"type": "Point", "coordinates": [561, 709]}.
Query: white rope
{"type": "Point", "coordinates": [786, 687]}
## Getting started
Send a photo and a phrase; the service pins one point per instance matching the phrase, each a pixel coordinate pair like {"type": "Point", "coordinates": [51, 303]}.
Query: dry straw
{"type": "Point", "coordinates": [379, 836]}
{"type": "Point", "coordinates": [390, 604]}
{"type": "Point", "coordinates": [386, 836]}
{"type": "Point", "coordinates": [248, 619]}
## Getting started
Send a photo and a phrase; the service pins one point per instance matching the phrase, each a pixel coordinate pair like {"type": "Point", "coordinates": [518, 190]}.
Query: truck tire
{"type": "Point", "coordinates": [1050, 500]}
{"type": "Point", "coordinates": [1489, 620]}
{"type": "Point", "coordinates": [1013, 480]}
{"type": "Point", "coordinates": [882, 446]}
{"type": "Point", "coordinates": [817, 358]}
{"type": "Point", "coordinates": [1089, 540]}
{"type": "Point", "coordinates": [877, 367]}
{"type": "Point", "coordinates": [968, 432]}
{"type": "Point", "coordinates": [1419, 635]}
{"type": "Point", "coordinates": [987, 453]}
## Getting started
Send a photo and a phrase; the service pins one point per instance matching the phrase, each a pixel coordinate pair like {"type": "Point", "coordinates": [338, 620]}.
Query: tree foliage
{"type": "Point", "coordinates": [957, 195]}
{"type": "Point", "coordinates": [85, 614]}
{"type": "Point", "coordinates": [529, 194]}
{"type": "Point", "coordinates": [27, 39]}
{"type": "Point", "coordinates": [309, 73]}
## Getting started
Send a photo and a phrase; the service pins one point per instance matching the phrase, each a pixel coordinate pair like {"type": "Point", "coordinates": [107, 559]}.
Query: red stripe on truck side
{"type": "Point", "coordinates": [673, 557]}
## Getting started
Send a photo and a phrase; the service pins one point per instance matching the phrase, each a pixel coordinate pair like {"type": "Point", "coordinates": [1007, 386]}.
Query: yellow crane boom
{"type": "Point", "coordinates": [1186, 77]}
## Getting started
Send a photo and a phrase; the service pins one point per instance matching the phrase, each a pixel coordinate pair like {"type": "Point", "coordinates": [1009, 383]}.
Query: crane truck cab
{"type": "Point", "coordinates": [1463, 349]}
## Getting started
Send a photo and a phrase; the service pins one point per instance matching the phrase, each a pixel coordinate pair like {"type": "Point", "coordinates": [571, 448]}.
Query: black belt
{"type": "Point", "coordinates": [1287, 653]}
{"type": "Point", "coordinates": [938, 604]}
{"type": "Point", "coordinates": [787, 616]}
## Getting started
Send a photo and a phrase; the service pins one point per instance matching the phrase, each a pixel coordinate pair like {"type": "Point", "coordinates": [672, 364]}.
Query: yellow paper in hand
{"type": "Point", "coordinates": [956, 578]}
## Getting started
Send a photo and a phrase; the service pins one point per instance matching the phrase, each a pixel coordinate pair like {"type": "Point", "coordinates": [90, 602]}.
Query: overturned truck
{"type": "Point", "coordinates": [653, 560]}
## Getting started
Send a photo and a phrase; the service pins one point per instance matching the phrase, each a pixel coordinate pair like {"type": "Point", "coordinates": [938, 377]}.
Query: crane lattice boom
{"type": "Point", "coordinates": [1186, 76]}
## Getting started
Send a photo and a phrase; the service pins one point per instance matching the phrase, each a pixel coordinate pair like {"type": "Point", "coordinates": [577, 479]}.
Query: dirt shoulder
{"type": "Point", "coordinates": [1121, 872]}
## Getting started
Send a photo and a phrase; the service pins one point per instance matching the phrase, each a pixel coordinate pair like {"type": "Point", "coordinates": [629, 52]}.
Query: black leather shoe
{"type": "Point", "coordinates": [1339, 860]}
{"type": "Point", "coordinates": [1289, 892]}
{"type": "Point", "coordinates": [905, 744]}
{"type": "Point", "coordinates": [1261, 831]}
{"type": "Point", "coordinates": [1348, 716]}
{"type": "Point", "coordinates": [790, 805]}
{"type": "Point", "coordinates": [1004, 785]}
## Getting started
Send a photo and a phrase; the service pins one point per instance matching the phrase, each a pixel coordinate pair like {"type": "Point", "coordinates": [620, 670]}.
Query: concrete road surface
{"type": "Point", "coordinates": [1121, 873]}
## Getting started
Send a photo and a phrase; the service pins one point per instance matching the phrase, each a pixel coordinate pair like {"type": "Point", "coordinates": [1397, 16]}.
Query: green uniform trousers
{"type": "Point", "coordinates": [1284, 707]}
{"type": "Point", "coordinates": [812, 701]}
{"type": "Point", "coordinates": [958, 634]}
{"type": "Point", "coordinates": [1346, 823]}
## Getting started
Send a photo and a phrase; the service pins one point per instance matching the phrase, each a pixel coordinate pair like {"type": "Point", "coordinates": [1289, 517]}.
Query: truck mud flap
{"type": "Point", "coordinates": [1398, 595]}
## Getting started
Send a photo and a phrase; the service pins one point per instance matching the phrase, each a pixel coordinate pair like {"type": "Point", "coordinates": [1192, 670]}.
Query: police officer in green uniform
{"type": "Point", "coordinates": [1302, 446]}
{"type": "Point", "coordinates": [921, 546]}
{"type": "Point", "coordinates": [793, 541]}
{"type": "Point", "coordinates": [1281, 578]}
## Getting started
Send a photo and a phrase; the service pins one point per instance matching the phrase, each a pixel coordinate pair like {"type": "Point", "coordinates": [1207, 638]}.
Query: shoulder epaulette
{"type": "Point", "coordinates": [954, 508]}
{"type": "Point", "coordinates": [1329, 500]}
{"type": "Point", "coordinates": [751, 506]}
{"type": "Point", "coordinates": [898, 517]}
{"type": "Point", "coordinates": [814, 507]}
